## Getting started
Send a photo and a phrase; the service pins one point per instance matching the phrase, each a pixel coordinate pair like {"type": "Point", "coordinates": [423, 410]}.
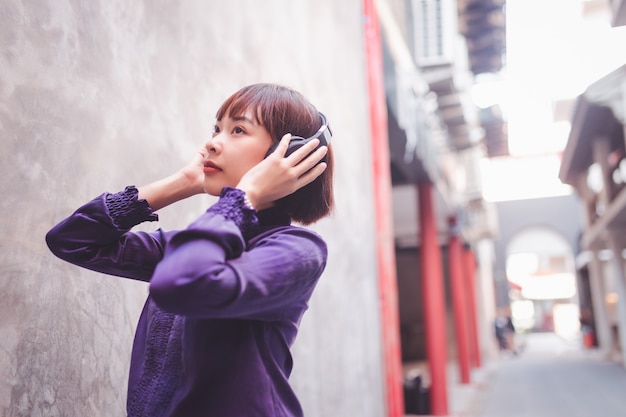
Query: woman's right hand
{"type": "Point", "coordinates": [193, 171]}
{"type": "Point", "coordinates": [186, 182]}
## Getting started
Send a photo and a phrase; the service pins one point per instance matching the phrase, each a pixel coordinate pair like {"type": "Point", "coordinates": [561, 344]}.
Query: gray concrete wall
{"type": "Point", "coordinates": [98, 94]}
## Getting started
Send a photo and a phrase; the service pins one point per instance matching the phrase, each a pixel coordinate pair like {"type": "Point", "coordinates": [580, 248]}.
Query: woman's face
{"type": "Point", "coordinates": [237, 145]}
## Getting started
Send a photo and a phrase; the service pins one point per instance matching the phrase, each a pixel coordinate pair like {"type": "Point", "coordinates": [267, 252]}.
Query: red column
{"type": "Point", "coordinates": [434, 300]}
{"type": "Point", "coordinates": [387, 280]}
{"type": "Point", "coordinates": [456, 266]}
{"type": "Point", "coordinates": [470, 273]}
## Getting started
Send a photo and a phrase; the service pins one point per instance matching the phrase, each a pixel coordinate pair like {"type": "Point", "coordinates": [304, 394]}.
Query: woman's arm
{"type": "Point", "coordinates": [209, 270]}
{"type": "Point", "coordinates": [96, 236]}
{"type": "Point", "coordinates": [178, 186]}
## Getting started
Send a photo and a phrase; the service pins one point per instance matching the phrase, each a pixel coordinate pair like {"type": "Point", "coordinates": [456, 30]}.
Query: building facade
{"type": "Point", "coordinates": [443, 227]}
{"type": "Point", "coordinates": [593, 163]}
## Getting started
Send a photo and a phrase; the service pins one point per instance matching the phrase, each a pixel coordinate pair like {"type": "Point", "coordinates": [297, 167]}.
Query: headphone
{"type": "Point", "coordinates": [324, 134]}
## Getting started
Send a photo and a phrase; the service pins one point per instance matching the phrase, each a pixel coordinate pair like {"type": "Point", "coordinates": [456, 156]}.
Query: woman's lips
{"type": "Point", "coordinates": [210, 167]}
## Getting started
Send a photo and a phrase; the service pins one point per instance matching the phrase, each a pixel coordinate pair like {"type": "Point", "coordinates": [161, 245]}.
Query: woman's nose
{"type": "Point", "coordinates": [213, 145]}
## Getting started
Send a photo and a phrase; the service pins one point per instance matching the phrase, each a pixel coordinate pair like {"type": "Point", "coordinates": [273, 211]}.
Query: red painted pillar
{"type": "Point", "coordinates": [456, 267]}
{"type": "Point", "coordinates": [387, 279]}
{"type": "Point", "coordinates": [434, 300]}
{"type": "Point", "coordinates": [470, 270]}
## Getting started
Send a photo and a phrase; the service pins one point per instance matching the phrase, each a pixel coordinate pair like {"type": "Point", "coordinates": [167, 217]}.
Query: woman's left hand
{"type": "Point", "coordinates": [278, 176]}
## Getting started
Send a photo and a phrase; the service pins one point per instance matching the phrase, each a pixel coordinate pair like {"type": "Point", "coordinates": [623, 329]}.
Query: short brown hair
{"type": "Point", "coordinates": [282, 110]}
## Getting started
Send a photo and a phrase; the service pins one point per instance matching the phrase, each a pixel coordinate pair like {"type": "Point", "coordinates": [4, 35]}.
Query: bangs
{"type": "Point", "coordinates": [278, 109]}
{"type": "Point", "coordinates": [258, 99]}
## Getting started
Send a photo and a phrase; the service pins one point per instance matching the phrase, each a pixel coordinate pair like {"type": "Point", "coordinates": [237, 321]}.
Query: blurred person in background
{"type": "Point", "coordinates": [505, 331]}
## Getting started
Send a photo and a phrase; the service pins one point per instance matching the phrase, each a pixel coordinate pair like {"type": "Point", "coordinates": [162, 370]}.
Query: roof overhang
{"type": "Point", "coordinates": [596, 112]}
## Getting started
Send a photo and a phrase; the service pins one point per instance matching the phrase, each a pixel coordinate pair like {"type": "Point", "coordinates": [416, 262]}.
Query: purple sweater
{"type": "Point", "coordinates": [226, 297]}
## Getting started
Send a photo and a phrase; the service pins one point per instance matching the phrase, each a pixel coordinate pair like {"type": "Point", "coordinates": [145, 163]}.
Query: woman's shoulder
{"type": "Point", "coordinates": [292, 233]}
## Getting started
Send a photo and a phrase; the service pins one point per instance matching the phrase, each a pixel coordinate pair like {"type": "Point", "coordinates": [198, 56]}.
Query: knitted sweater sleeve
{"type": "Point", "coordinates": [96, 236]}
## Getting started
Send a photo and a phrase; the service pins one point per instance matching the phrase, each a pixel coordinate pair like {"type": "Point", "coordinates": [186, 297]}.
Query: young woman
{"type": "Point", "coordinates": [228, 292]}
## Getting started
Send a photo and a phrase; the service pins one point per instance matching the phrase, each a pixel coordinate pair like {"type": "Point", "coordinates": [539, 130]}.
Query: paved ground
{"type": "Point", "coordinates": [552, 378]}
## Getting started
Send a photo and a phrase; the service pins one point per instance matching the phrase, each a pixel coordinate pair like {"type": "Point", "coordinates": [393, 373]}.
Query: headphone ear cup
{"type": "Point", "coordinates": [295, 143]}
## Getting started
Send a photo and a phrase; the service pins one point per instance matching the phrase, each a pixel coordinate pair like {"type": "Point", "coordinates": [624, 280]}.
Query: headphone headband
{"type": "Point", "coordinates": [324, 134]}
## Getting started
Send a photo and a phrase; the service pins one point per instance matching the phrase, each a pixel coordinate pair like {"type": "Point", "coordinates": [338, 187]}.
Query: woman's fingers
{"type": "Point", "coordinates": [301, 153]}
{"type": "Point", "coordinates": [281, 149]}
{"type": "Point", "coordinates": [305, 152]}
{"type": "Point", "coordinates": [310, 175]}
{"type": "Point", "coordinates": [309, 158]}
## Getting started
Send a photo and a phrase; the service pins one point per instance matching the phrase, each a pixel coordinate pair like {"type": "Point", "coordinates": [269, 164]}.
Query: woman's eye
{"type": "Point", "coordinates": [238, 130]}
{"type": "Point", "coordinates": [216, 129]}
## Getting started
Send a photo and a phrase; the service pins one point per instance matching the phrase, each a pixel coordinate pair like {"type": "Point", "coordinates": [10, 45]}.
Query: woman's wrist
{"type": "Point", "coordinates": [252, 200]}
{"type": "Point", "coordinates": [169, 190]}
{"type": "Point", "coordinates": [247, 202]}
{"type": "Point", "coordinates": [127, 210]}
{"type": "Point", "coordinates": [232, 206]}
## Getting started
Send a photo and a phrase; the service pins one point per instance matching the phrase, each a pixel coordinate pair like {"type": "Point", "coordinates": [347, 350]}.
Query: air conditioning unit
{"type": "Point", "coordinates": [434, 29]}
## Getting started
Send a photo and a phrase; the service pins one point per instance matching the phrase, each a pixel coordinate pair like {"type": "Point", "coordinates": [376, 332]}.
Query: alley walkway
{"type": "Point", "coordinates": [552, 378]}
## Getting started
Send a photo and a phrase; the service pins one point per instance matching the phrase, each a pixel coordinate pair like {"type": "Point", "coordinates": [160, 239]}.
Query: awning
{"type": "Point", "coordinates": [597, 111]}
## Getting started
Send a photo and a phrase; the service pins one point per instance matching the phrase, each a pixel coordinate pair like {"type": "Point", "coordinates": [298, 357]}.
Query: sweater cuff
{"type": "Point", "coordinates": [232, 206]}
{"type": "Point", "coordinates": [126, 210]}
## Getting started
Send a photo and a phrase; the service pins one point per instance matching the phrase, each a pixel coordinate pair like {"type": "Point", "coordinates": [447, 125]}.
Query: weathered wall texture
{"type": "Point", "coordinates": [95, 95]}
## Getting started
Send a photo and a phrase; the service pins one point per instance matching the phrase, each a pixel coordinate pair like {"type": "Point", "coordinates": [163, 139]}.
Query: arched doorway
{"type": "Point", "coordinates": [541, 273]}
